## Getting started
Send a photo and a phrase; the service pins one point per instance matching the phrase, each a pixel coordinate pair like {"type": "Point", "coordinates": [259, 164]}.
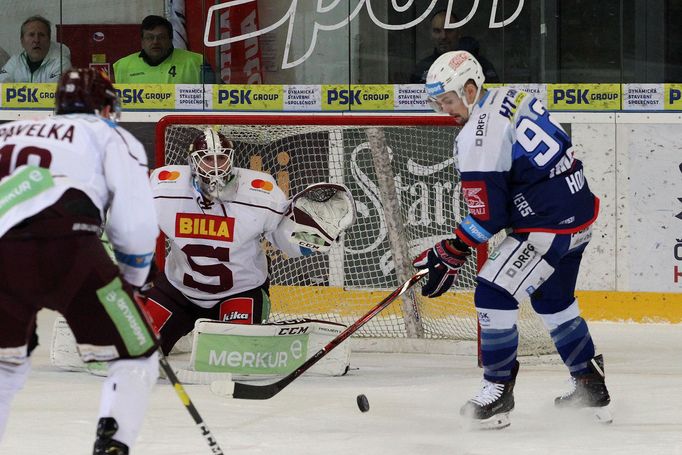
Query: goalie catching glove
{"type": "Point", "coordinates": [319, 214]}
{"type": "Point", "coordinates": [444, 260]}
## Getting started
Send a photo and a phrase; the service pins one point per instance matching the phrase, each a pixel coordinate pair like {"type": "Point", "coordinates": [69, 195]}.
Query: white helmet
{"type": "Point", "coordinates": [211, 157]}
{"type": "Point", "coordinates": [450, 73]}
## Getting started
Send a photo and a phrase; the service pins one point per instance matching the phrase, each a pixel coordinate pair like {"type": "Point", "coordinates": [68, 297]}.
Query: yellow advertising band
{"type": "Point", "coordinates": [345, 97]}
{"type": "Point", "coordinates": [630, 306]}
{"type": "Point", "coordinates": [644, 307]}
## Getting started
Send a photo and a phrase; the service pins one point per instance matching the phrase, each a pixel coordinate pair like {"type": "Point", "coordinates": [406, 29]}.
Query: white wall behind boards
{"type": "Point", "coordinates": [634, 164]}
{"type": "Point", "coordinates": [649, 185]}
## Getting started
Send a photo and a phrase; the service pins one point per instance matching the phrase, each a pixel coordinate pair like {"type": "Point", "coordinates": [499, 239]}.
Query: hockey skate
{"type": "Point", "coordinates": [489, 410]}
{"type": "Point", "coordinates": [589, 391]}
{"type": "Point", "coordinates": [105, 445]}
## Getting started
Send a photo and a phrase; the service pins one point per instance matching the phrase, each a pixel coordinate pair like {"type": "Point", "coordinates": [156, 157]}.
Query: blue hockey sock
{"type": "Point", "coordinates": [574, 344]}
{"type": "Point", "coordinates": [498, 353]}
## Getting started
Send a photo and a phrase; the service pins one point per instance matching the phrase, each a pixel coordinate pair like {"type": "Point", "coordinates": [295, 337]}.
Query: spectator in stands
{"type": "Point", "coordinates": [41, 60]}
{"type": "Point", "coordinates": [159, 61]}
{"type": "Point", "coordinates": [446, 40]}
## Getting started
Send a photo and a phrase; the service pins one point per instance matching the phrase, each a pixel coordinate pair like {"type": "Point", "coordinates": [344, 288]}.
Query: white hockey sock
{"type": "Point", "coordinates": [126, 392]}
{"type": "Point", "coordinates": [12, 379]}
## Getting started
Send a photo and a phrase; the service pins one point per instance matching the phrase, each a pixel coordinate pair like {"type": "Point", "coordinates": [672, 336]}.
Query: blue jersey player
{"type": "Point", "coordinates": [518, 173]}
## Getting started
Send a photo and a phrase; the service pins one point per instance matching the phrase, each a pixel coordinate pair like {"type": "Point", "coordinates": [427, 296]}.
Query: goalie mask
{"type": "Point", "coordinates": [450, 73]}
{"type": "Point", "coordinates": [210, 160]}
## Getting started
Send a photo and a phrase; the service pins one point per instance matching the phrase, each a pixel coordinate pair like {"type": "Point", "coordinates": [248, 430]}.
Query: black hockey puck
{"type": "Point", "coordinates": [363, 403]}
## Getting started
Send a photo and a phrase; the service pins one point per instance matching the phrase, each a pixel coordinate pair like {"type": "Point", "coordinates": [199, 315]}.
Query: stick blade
{"type": "Point", "coordinates": [255, 392]}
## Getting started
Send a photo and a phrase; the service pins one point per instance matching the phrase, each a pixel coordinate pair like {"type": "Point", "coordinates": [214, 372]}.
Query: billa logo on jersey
{"type": "Point", "coordinates": [262, 185]}
{"type": "Point", "coordinates": [168, 175]}
{"type": "Point", "coordinates": [198, 226]}
{"type": "Point", "coordinates": [476, 197]}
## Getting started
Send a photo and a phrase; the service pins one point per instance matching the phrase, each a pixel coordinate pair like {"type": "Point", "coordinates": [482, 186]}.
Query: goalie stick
{"type": "Point", "coordinates": [266, 391]}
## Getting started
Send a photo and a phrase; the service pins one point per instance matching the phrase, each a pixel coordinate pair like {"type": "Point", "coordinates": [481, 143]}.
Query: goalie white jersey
{"type": "Point", "coordinates": [215, 247]}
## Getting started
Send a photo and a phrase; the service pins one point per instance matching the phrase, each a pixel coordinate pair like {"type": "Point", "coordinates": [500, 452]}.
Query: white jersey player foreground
{"type": "Point", "coordinates": [518, 172]}
{"type": "Point", "coordinates": [215, 216]}
{"type": "Point", "coordinates": [60, 176]}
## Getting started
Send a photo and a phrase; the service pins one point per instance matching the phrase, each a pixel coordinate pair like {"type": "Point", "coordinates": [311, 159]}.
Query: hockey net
{"type": "Point", "coordinates": [402, 174]}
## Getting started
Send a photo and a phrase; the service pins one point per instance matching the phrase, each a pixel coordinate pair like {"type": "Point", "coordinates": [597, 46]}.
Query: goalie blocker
{"type": "Point", "coordinates": [221, 350]}
{"type": "Point", "coordinates": [319, 214]}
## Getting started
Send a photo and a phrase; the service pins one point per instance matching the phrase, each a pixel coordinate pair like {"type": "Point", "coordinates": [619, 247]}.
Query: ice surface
{"type": "Point", "coordinates": [414, 401]}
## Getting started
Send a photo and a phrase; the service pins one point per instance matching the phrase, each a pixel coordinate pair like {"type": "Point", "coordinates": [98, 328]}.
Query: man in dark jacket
{"type": "Point", "coordinates": [446, 40]}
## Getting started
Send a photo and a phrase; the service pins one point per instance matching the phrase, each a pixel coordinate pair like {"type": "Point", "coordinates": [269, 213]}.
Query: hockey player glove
{"type": "Point", "coordinates": [444, 260]}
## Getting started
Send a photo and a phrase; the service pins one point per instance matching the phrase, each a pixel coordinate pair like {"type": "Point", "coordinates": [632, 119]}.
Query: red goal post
{"type": "Point", "coordinates": [401, 171]}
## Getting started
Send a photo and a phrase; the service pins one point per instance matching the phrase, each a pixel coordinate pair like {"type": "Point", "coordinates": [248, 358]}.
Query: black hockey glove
{"type": "Point", "coordinates": [444, 260]}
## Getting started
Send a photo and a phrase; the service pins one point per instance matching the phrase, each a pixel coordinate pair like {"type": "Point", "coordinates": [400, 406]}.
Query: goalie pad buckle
{"type": "Point", "coordinates": [319, 214]}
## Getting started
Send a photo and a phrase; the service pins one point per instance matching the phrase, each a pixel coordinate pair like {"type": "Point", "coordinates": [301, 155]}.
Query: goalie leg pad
{"type": "Point", "coordinates": [65, 353]}
{"type": "Point", "coordinates": [267, 349]}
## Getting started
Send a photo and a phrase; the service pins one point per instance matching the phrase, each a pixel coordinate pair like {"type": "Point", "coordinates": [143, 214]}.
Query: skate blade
{"type": "Point", "coordinates": [603, 415]}
{"type": "Point", "coordinates": [496, 422]}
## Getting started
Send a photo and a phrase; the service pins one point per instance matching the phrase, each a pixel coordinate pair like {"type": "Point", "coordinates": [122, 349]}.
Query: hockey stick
{"type": "Point", "coordinates": [180, 390]}
{"type": "Point", "coordinates": [264, 392]}
{"type": "Point", "coordinates": [182, 394]}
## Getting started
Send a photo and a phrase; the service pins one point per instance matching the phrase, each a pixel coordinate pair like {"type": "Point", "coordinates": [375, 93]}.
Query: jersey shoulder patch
{"type": "Point", "coordinates": [258, 188]}
{"type": "Point", "coordinates": [484, 144]}
{"type": "Point", "coordinates": [256, 183]}
{"type": "Point", "coordinates": [173, 178]}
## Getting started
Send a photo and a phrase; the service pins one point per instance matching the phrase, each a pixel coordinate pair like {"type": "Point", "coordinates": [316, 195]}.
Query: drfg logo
{"type": "Point", "coordinates": [22, 95]}
{"type": "Point", "coordinates": [522, 260]}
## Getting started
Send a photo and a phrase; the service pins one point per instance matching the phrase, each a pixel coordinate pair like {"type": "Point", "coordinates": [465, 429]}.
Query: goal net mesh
{"type": "Point", "coordinates": [356, 274]}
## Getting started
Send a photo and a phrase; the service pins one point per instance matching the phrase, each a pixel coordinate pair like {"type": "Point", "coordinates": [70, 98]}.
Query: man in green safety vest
{"type": "Point", "coordinates": [159, 61]}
